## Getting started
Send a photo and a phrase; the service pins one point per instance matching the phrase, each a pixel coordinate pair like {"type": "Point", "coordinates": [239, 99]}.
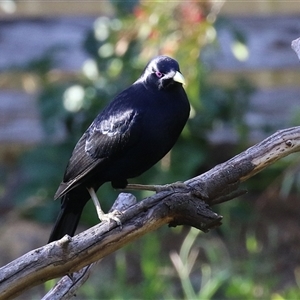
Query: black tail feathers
{"type": "Point", "coordinates": [68, 218]}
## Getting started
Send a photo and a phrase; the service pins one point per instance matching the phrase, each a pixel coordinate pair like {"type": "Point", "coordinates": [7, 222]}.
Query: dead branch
{"type": "Point", "coordinates": [178, 206]}
{"type": "Point", "coordinates": [68, 285]}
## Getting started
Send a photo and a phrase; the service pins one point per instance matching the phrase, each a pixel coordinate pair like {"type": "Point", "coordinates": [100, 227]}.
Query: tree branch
{"type": "Point", "coordinates": [179, 206]}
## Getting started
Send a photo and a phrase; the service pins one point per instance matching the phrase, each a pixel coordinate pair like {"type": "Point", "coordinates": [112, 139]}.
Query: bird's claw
{"type": "Point", "coordinates": [114, 215]}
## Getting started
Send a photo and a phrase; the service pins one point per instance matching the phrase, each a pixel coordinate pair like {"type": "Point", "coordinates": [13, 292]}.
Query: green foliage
{"type": "Point", "coordinates": [186, 265]}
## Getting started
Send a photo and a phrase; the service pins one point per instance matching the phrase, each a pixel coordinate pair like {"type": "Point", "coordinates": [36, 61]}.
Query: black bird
{"type": "Point", "coordinates": [136, 130]}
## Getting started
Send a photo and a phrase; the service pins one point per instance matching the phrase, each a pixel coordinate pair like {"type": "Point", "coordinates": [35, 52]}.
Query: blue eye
{"type": "Point", "coordinates": [158, 74]}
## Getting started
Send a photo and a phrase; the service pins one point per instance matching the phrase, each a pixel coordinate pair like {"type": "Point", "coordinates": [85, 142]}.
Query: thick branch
{"type": "Point", "coordinates": [176, 207]}
{"type": "Point", "coordinates": [71, 254]}
{"type": "Point", "coordinates": [219, 180]}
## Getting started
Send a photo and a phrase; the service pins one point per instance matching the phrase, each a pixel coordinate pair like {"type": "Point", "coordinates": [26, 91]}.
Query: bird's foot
{"type": "Point", "coordinates": [158, 188]}
{"type": "Point", "coordinates": [114, 215]}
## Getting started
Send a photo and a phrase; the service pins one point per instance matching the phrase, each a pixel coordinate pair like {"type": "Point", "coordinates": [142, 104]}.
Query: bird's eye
{"type": "Point", "coordinates": [159, 74]}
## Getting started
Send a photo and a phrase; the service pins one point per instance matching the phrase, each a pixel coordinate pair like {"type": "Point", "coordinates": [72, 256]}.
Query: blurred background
{"type": "Point", "coordinates": [61, 62]}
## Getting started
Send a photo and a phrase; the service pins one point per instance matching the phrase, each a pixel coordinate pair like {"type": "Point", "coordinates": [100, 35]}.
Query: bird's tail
{"type": "Point", "coordinates": [68, 217]}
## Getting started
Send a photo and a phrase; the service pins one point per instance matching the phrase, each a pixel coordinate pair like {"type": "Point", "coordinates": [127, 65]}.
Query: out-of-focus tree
{"type": "Point", "coordinates": [119, 47]}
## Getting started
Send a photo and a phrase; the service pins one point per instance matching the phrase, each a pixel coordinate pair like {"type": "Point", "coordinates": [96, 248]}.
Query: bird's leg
{"type": "Point", "coordinates": [101, 215]}
{"type": "Point", "coordinates": [141, 187]}
{"type": "Point", "coordinates": [157, 188]}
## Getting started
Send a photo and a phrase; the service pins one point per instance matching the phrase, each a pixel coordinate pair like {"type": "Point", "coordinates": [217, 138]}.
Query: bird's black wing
{"type": "Point", "coordinates": [108, 136]}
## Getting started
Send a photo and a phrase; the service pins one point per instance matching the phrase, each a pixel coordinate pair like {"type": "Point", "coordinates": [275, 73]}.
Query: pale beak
{"type": "Point", "coordinates": [179, 78]}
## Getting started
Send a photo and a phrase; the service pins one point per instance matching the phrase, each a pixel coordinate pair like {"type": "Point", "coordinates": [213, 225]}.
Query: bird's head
{"type": "Point", "coordinates": [162, 72]}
